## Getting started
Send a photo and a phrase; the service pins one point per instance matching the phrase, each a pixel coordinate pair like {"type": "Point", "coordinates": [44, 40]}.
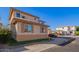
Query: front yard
{"type": "Point", "coordinates": [15, 43]}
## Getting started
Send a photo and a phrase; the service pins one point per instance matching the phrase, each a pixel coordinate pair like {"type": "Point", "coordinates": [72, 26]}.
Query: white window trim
{"type": "Point", "coordinates": [16, 15]}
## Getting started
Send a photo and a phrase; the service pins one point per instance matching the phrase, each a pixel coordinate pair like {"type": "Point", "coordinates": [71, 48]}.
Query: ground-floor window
{"type": "Point", "coordinates": [28, 28]}
{"type": "Point", "coordinates": [42, 30]}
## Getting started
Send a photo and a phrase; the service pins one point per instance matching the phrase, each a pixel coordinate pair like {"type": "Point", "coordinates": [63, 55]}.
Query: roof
{"type": "Point", "coordinates": [41, 21]}
{"type": "Point", "coordinates": [23, 12]}
{"type": "Point", "coordinates": [13, 9]}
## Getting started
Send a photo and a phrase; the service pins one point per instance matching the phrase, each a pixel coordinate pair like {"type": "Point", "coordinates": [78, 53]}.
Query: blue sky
{"type": "Point", "coordinates": [54, 16]}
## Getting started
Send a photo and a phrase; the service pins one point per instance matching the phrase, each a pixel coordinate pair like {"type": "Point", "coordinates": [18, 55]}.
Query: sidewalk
{"type": "Point", "coordinates": [33, 47]}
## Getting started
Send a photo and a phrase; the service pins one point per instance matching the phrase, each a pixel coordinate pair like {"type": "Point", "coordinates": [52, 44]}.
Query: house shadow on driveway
{"type": "Point", "coordinates": [62, 41]}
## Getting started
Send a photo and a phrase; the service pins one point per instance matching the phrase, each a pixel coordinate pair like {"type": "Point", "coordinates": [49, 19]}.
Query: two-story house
{"type": "Point", "coordinates": [66, 30]}
{"type": "Point", "coordinates": [26, 26]}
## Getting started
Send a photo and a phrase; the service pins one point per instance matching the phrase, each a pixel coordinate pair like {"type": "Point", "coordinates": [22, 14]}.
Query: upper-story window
{"type": "Point", "coordinates": [18, 14]}
{"type": "Point", "coordinates": [23, 17]}
{"type": "Point", "coordinates": [36, 18]}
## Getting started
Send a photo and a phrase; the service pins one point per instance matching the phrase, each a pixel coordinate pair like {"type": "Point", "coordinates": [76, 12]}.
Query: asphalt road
{"type": "Point", "coordinates": [71, 47]}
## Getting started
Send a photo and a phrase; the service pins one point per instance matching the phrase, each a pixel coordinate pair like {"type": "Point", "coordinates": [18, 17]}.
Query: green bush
{"type": "Point", "coordinates": [77, 32]}
{"type": "Point", "coordinates": [77, 28]}
{"type": "Point", "coordinates": [5, 36]}
{"type": "Point", "coordinates": [31, 41]}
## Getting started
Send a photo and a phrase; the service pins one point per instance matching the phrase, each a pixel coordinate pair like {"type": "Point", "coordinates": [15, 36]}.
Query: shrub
{"type": "Point", "coordinates": [77, 32]}
{"type": "Point", "coordinates": [77, 28]}
{"type": "Point", "coordinates": [5, 36]}
{"type": "Point", "coordinates": [32, 41]}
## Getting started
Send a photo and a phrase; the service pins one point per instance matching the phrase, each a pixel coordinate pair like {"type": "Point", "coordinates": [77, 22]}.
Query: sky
{"type": "Point", "coordinates": [53, 16]}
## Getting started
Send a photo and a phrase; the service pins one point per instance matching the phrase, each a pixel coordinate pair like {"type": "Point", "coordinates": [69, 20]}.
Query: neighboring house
{"type": "Point", "coordinates": [66, 30]}
{"type": "Point", "coordinates": [26, 26]}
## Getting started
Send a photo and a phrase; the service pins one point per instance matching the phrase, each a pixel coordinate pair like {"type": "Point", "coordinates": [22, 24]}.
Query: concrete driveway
{"type": "Point", "coordinates": [71, 47]}
{"type": "Point", "coordinates": [33, 47]}
{"type": "Point", "coordinates": [37, 47]}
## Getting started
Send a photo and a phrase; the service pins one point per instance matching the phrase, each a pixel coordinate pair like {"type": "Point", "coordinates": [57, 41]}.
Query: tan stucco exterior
{"type": "Point", "coordinates": [30, 36]}
{"type": "Point", "coordinates": [19, 26]}
{"type": "Point", "coordinates": [36, 28]}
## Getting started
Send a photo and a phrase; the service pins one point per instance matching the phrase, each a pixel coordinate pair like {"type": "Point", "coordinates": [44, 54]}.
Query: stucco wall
{"type": "Point", "coordinates": [20, 27]}
{"type": "Point", "coordinates": [31, 36]}
{"type": "Point", "coordinates": [36, 29]}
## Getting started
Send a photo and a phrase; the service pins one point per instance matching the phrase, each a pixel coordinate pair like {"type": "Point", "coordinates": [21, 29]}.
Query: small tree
{"type": "Point", "coordinates": [5, 35]}
{"type": "Point", "coordinates": [77, 28]}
